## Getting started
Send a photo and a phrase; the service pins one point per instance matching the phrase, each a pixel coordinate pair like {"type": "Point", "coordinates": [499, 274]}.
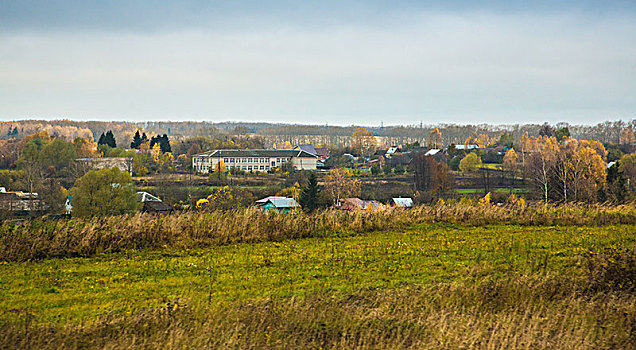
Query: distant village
{"type": "Point", "coordinates": [40, 173]}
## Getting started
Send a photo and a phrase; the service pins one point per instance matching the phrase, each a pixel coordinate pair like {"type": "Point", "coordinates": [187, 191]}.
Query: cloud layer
{"type": "Point", "coordinates": [363, 65]}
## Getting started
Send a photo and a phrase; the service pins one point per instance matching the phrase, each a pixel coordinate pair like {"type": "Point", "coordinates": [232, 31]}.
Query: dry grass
{"type": "Point", "coordinates": [39, 239]}
{"type": "Point", "coordinates": [522, 312]}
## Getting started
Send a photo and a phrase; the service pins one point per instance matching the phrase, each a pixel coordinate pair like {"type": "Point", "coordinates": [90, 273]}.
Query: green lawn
{"type": "Point", "coordinates": [61, 290]}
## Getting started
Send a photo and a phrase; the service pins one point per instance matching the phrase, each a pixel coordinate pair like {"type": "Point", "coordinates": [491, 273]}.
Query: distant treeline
{"type": "Point", "coordinates": [605, 132]}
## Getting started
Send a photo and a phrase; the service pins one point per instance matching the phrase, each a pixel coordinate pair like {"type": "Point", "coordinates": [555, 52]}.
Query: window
{"type": "Point", "coordinates": [262, 167]}
{"type": "Point", "coordinates": [244, 160]}
{"type": "Point", "coordinates": [267, 167]}
{"type": "Point", "coordinates": [249, 160]}
{"type": "Point", "coordinates": [278, 160]}
{"type": "Point", "coordinates": [225, 160]}
{"type": "Point", "coordinates": [231, 160]}
{"type": "Point", "coordinates": [283, 160]}
{"type": "Point", "coordinates": [249, 167]}
{"type": "Point", "coordinates": [262, 160]}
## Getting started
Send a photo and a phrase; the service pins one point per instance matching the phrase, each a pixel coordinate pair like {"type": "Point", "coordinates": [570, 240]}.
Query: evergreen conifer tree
{"type": "Point", "coordinates": [101, 140]}
{"type": "Point", "coordinates": [109, 139]}
{"type": "Point", "coordinates": [136, 140]}
{"type": "Point", "coordinates": [309, 194]}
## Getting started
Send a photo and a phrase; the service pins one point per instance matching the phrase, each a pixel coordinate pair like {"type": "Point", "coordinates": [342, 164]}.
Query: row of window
{"type": "Point", "coordinates": [243, 160]}
{"type": "Point", "coordinates": [243, 167]}
{"type": "Point", "coordinates": [251, 160]}
{"type": "Point", "coordinates": [249, 167]}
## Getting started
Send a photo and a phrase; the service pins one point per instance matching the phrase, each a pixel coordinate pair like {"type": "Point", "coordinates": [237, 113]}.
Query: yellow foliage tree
{"type": "Point", "coordinates": [292, 192]}
{"type": "Point", "coordinates": [364, 141]}
{"type": "Point", "coordinates": [470, 163]}
{"type": "Point", "coordinates": [434, 138]}
{"type": "Point", "coordinates": [339, 184]}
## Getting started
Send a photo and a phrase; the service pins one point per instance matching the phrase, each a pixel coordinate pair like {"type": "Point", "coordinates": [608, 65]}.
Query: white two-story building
{"type": "Point", "coordinates": [253, 159]}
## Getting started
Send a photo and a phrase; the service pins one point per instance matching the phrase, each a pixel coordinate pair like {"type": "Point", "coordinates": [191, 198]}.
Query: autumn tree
{"type": "Point", "coordinates": [470, 163]}
{"type": "Point", "coordinates": [220, 170]}
{"type": "Point", "coordinates": [510, 160]}
{"type": "Point", "coordinates": [563, 167]}
{"type": "Point", "coordinates": [588, 173]}
{"type": "Point", "coordinates": [364, 141]}
{"type": "Point", "coordinates": [292, 192]}
{"type": "Point", "coordinates": [430, 175]}
{"type": "Point", "coordinates": [627, 136]}
{"type": "Point", "coordinates": [339, 184]}
{"type": "Point", "coordinates": [434, 139]}
{"type": "Point", "coordinates": [85, 148]}
{"type": "Point", "coordinates": [540, 162]}
{"type": "Point", "coordinates": [104, 192]}
{"type": "Point", "coordinates": [510, 164]}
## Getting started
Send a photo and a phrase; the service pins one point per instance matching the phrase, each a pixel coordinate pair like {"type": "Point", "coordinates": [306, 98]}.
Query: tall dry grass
{"type": "Point", "coordinates": [40, 239]}
{"type": "Point", "coordinates": [527, 312]}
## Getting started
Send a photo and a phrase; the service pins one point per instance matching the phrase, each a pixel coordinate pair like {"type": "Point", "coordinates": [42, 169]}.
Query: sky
{"type": "Point", "coordinates": [336, 62]}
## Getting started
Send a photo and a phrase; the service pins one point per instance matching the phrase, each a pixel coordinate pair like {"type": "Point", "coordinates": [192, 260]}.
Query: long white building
{"type": "Point", "coordinates": [253, 159]}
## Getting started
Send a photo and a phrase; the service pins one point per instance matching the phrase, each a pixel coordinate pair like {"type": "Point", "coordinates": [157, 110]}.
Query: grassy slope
{"type": "Point", "coordinates": [57, 291]}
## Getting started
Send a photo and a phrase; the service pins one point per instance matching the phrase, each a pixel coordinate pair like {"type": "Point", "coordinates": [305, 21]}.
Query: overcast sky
{"type": "Point", "coordinates": [336, 62]}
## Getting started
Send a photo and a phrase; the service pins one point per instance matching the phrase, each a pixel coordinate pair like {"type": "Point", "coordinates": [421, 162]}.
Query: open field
{"type": "Point", "coordinates": [427, 285]}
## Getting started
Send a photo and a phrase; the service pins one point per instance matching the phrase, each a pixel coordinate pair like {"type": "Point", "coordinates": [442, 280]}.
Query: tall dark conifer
{"type": "Point", "coordinates": [109, 139]}
{"type": "Point", "coordinates": [136, 140]}
{"type": "Point", "coordinates": [309, 194]}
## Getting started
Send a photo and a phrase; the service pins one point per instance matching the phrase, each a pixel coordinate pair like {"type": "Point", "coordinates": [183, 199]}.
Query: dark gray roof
{"type": "Point", "coordinates": [307, 148]}
{"type": "Point", "coordinates": [256, 153]}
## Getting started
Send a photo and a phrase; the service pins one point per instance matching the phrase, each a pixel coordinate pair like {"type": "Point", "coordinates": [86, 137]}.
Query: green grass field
{"type": "Point", "coordinates": [368, 280]}
{"type": "Point", "coordinates": [81, 289]}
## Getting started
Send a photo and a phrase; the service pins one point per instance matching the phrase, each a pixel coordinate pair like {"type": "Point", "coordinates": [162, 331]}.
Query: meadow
{"type": "Point", "coordinates": [488, 278]}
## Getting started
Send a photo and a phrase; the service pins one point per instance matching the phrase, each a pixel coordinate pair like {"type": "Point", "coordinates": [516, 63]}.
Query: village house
{"type": "Point", "coordinates": [258, 160]}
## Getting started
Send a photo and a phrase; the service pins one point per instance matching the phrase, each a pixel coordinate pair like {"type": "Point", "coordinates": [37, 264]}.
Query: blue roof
{"type": "Point", "coordinates": [281, 202]}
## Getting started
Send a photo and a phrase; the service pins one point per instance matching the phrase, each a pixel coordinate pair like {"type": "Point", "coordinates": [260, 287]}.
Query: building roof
{"type": "Point", "coordinates": [307, 148]}
{"type": "Point", "coordinates": [264, 200]}
{"type": "Point", "coordinates": [279, 202]}
{"type": "Point", "coordinates": [462, 147]}
{"type": "Point", "coordinates": [357, 203]}
{"type": "Point", "coordinates": [432, 152]}
{"type": "Point", "coordinates": [403, 202]}
{"type": "Point", "coordinates": [256, 153]}
{"type": "Point", "coordinates": [146, 197]}
{"type": "Point", "coordinates": [391, 150]}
